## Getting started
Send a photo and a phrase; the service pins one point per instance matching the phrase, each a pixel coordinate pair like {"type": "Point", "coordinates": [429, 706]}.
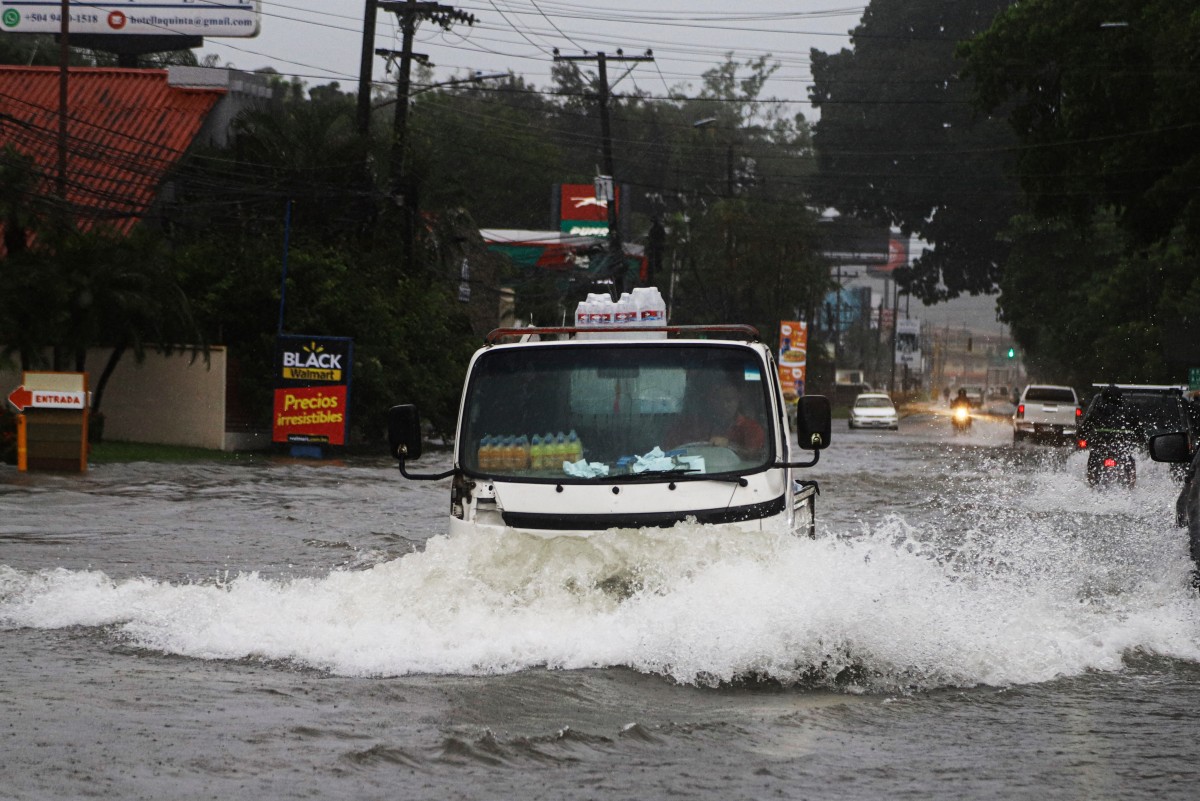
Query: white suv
{"type": "Point", "coordinates": [1047, 412]}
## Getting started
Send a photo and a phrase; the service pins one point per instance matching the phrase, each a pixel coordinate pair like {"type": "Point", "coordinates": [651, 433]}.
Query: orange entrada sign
{"type": "Point", "coordinates": [22, 398]}
{"type": "Point", "coordinates": [52, 427]}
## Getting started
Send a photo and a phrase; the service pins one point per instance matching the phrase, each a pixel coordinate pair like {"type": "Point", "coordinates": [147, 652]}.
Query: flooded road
{"type": "Point", "coordinates": [971, 621]}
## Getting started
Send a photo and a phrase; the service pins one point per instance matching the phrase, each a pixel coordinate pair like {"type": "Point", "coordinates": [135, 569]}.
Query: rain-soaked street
{"type": "Point", "coordinates": [972, 621]}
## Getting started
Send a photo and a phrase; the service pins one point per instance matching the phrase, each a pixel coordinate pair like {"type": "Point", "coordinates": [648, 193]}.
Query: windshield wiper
{"type": "Point", "coordinates": [726, 477]}
{"type": "Point", "coordinates": [655, 473]}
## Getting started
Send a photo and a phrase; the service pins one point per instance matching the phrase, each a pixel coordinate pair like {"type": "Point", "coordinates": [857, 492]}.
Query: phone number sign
{"type": "Point", "coordinates": [228, 18]}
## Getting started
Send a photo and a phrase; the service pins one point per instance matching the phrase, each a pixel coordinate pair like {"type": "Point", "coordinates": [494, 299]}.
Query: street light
{"type": "Point", "coordinates": [708, 122]}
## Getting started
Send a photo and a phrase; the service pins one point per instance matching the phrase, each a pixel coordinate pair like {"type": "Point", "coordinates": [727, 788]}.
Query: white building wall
{"type": "Point", "coordinates": [168, 400]}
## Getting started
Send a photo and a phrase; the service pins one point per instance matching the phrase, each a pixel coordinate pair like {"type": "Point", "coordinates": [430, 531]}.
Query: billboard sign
{"type": "Point", "coordinates": [908, 343]}
{"type": "Point", "coordinates": [229, 18]}
{"type": "Point", "coordinates": [897, 257]}
{"type": "Point", "coordinates": [793, 358]}
{"type": "Point", "coordinates": [312, 389]}
{"type": "Point", "coordinates": [584, 211]}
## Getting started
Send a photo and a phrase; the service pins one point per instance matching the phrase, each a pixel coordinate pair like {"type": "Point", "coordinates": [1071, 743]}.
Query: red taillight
{"type": "Point", "coordinates": [1021, 411]}
{"type": "Point", "coordinates": [1078, 412]}
{"type": "Point", "coordinates": [1110, 462]}
{"type": "Point", "coordinates": [1082, 443]}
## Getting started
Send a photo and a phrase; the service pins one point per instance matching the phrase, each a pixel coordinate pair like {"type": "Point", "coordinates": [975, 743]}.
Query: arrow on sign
{"type": "Point", "coordinates": [20, 397]}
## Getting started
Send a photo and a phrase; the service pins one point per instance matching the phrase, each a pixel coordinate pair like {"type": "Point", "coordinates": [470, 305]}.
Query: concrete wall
{"type": "Point", "coordinates": [170, 400]}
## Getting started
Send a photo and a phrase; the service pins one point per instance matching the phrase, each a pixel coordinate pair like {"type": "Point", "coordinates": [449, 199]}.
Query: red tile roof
{"type": "Point", "coordinates": [126, 129]}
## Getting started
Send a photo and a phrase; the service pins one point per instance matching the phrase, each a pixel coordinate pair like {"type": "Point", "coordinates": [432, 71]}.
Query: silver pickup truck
{"type": "Point", "coordinates": [1047, 412]}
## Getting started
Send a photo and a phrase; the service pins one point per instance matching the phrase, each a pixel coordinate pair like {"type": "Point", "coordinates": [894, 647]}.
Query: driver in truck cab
{"type": "Point", "coordinates": [722, 422]}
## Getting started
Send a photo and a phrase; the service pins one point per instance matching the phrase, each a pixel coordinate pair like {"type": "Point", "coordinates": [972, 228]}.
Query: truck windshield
{"type": "Point", "coordinates": [597, 411]}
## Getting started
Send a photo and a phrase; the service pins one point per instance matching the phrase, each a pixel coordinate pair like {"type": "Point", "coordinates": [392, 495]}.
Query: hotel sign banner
{"type": "Point", "coordinates": [312, 389]}
{"type": "Point", "coordinates": [218, 18]}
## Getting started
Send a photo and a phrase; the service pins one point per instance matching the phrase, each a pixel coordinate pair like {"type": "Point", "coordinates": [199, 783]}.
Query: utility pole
{"type": "Point", "coordinates": [365, 68]}
{"type": "Point", "coordinates": [616, 250]}
{"type": "Point", "coordinates": [404, 193]}
{"type": "Point", "coordinates": [64, 69]}
{"type": "Point", "coordinates": [895, 321]}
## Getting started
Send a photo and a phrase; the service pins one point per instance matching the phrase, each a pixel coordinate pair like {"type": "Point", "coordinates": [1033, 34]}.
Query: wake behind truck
{"type": "Point", "coordinates": [570, 432]}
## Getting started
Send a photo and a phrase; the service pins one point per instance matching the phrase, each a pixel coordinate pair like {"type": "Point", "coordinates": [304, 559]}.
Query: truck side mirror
{"type": "Point", "coordinates": [814, 422]}
{"type": "Point", "coordinates": [404, 431]}
{"type": "Point", "coordinates": [1171, 447]}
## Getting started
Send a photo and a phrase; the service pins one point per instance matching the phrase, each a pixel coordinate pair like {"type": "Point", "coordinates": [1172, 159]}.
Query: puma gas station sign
{"type": "Point", "coordinates": [583, 211]}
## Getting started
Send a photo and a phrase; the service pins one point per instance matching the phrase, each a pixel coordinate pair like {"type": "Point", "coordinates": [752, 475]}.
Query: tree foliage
{"type": "Point", "coordinates": [899, 142]}
{"type": "Point", "coordinates": [299, 183]}
{"type": "Point", "coordinates": [1105, 99]}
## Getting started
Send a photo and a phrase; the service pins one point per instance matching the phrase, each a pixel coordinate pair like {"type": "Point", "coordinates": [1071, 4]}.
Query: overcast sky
{"type": "Point", "coordinates": [321, 40]}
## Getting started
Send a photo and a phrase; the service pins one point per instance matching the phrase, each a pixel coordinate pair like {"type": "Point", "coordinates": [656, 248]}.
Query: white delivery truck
{"type": "Point", "coordinates": [569, 432]}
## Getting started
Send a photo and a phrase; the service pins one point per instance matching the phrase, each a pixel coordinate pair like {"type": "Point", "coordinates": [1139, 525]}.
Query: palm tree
{"type": "Point", "coordinates": [122, 292]}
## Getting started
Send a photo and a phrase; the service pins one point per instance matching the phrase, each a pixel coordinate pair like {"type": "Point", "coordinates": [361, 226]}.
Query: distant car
{"type": "Point", "coordinates": [874, 410]}
{"type": "Point", "coordinates": [975, 397]}
{"type": "Point", "coordinates": [1119, 423]}
{"type": "Point", "coordinates": [1047, 412]}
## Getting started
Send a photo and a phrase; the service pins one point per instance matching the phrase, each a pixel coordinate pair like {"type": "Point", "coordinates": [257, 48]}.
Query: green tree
{"type": "Point", "coordinates": [120, 291]}
{"type": "Point", "coordinates": [309, 186]}
{"type": "Point", "coordinates": [34, 297]}
{"type": "Point", "coordinates": [900, 143]}
{"type": "Point", "coordinates": [1105, 99]}
{"type": "Point", "coordinates": [742, 237]}
{"type": "Point", "coordinates": [485, 149]}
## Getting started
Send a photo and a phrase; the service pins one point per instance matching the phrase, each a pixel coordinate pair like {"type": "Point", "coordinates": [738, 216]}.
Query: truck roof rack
{"type": "Point", "coordinates": [1147, 387]}
{"type": "Point", "coordinates": [747, 333]}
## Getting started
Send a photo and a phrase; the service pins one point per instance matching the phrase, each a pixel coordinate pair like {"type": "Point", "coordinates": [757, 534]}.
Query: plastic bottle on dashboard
{"type": "Point", "coordinates": [524, 457]}
{"type": "Point", "coordinates": [560, 449]}
{"type": "Point", "coordinates": [537, 453]}
{"type": "Point", "coordinates": [574, 447]}
{"type": "Point", "coordinates": [483, 456]}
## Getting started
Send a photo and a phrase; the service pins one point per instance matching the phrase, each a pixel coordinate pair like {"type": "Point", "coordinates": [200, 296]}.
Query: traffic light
{"type": "Point", "coordinates": [1012, 352]}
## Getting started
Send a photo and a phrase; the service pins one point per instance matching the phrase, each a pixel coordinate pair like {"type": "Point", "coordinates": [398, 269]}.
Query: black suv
{"type": "Point", "coordinates": [1119, 423]}
{"type": "Point", "coordinates": [1181, 448]}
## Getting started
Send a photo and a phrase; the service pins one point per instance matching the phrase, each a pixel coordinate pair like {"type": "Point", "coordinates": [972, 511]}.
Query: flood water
{"type": "Point", "coordinates": [972, 621]}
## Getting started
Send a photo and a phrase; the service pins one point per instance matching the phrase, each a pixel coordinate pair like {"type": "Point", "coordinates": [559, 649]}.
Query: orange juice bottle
{"type": "Point", "coordinates": [483, 456]}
